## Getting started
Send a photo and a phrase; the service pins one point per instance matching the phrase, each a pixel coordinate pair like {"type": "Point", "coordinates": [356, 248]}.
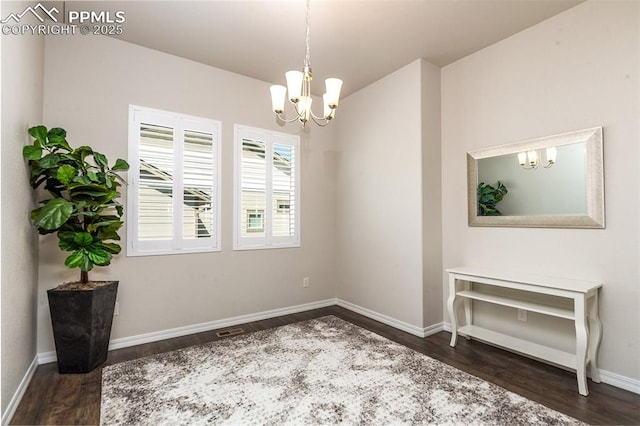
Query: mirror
{"type": "Point", "coordinates": [555, 181]}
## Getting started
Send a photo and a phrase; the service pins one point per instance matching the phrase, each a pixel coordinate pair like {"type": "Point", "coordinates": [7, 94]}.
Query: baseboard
{"type": "Point", "coordinates": [400, 325]}
{"type": "Point", "coordinates": [7, 415]}
{"type": "Point", "coordinates": [613, 379]}
{"type": "Point", "coordinates": [619, 381]}
{"type": "Point", "coordinates": [124, 342]}
{"type": "Point", "coordinates": [433, 329]}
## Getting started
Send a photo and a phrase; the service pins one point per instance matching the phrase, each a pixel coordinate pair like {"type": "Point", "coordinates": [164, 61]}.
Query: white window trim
{"type": "Point", "coordinates": [177, 245]}
{"type": "Point", "coordinates": [268, 241]}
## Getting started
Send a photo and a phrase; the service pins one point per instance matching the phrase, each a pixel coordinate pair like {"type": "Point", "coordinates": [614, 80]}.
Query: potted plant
{"type": "Point", "coordinates": [488, 197]}
{"type": "Point", "coordinates": [81, 208]}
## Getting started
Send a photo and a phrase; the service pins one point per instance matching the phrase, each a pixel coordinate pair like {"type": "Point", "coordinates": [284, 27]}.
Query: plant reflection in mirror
{"type": "Point", "coordinates": [488, 197]}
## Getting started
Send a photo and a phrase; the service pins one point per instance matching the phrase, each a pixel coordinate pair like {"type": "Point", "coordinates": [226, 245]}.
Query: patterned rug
{"type": "Point", "coordinates": [322, 371]}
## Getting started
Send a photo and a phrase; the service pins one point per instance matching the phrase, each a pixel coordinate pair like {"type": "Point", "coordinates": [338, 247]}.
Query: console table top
{"type": "Point", "coordinates": [578, 286]}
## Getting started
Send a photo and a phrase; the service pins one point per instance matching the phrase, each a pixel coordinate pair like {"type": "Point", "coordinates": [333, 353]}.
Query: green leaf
{"type": "Point", "coordinates": [57, 131]}
{"type": "Point", "coordinates": [99, 256]}
{"type": "Point", "coordinates": [109, 232]}
{"type": "Point", "coordinates": [101, 160]}
{"type": "Point", "coordinates": [91, 190]}
{"type": "Point", "coordinates": [112, 247]}
{"type": "Point", "coordinates": [120, 165]}
{"type": "Point", "coordinates": [32, 152]}
{"type": "Point", "coordinates": [92, 227]}
{"type": "Point", "coordinates": [66, 173]}
{"type": "Point", "coordinates": [83, 239]}
{"type": "Point", "coordinates": [79, 259]}
{"type": "Point", "coordinates": [75, 259]}
{"type": "Point", "coordinates": [88, 193]}
{"type": "Point", "coordinates": [82, 179]}
{"type": "Point", "coordinates": [66, 233]}
{"type": "Point", "coordinates": [93, 176]}
{"type": "Point", "coordinates": [82, 151]}
{"type": "Point", "coordinates": [58, 142]}
{"type": "Point", "coordinates": [67, 245]}
{"type": "Point", "coordinates": [50, 161]}
{"type": "Point", "coordinates": [39, 133]}
{"type": "Point", "coordinates": [53, 214]}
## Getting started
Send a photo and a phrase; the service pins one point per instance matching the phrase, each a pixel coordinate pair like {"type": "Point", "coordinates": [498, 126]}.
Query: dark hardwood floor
{"type": "Point", "coordinates": [52, 398]}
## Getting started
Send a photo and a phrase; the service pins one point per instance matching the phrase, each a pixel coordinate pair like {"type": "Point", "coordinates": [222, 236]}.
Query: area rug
{"type": "Point", "coordinates": [322, 371]}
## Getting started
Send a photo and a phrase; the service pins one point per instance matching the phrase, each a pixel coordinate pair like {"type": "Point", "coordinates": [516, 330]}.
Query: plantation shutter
{"type": "Point", "coordinates": [176, 183]}
{"type": "Point", "coordinates": [155, 187]}
{"type": "Point", "coordinates": [266, 189]}
{"type": "Point", "coordinates": [254, 189]}
{"type": "Point", "coordinates": [283, 205]}
{"type": "Point", "coordinates": [199, 218]}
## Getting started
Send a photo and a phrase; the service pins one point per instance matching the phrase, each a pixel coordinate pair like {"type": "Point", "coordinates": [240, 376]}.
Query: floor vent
{"type": "Point", "coordinates": [232, 332]}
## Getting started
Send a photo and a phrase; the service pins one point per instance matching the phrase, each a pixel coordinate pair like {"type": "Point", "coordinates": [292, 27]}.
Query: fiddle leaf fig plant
{"type": "Point", "coordinates": [488, 197]}
{"type": "Point", "coordinates": [82, 206]}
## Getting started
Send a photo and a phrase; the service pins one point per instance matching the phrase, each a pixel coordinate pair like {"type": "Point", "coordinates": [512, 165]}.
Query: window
{"type": "Point", "coordinates": [255, 220]}
{"type": "Point", "coordinates": [283, 206]}
{"type": "Point", "coordinates": [266, 189]}
{"type": "Point", "coordinates": [174, 180]}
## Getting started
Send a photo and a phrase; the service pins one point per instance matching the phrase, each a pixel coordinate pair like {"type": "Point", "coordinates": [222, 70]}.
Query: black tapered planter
{"type": "Point", "coordinates": [81, 320]}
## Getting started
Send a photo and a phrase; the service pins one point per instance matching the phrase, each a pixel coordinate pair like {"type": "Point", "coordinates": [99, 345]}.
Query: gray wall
{"type": "Point", "coordinates": [388, 197]}
{"type": "Point", "coordinates": [22, 79]}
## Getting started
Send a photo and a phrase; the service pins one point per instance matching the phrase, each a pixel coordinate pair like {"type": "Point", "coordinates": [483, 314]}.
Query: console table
{"type": "Point", "coordinates": [584, 313]}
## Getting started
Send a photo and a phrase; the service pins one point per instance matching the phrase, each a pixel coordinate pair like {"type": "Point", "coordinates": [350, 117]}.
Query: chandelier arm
{"type": "Point", "coordinates": [280, 117]}
{"type": "Point", "coordinates": [317, 118]}
{"type": "Point", "coordinates": [298, 113]}
{"type": "Point", "coordinates": [322, 122]}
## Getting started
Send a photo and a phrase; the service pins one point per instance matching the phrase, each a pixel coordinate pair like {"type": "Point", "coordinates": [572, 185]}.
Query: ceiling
{"type": "Point", "coordinates": [357, 41]}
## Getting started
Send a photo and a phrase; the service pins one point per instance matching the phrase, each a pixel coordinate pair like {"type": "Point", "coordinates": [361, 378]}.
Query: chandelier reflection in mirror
{"type": "Point", "coordinates": [299, 87]}
{"type": "Point", "coordinates": [530, 160]}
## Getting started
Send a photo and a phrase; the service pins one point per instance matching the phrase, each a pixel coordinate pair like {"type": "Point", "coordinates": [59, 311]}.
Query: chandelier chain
{"type": "Point", "coordinates": [307, 58]}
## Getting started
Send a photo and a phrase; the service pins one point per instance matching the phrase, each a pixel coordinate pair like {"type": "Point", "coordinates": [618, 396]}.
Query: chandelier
{"type": "Point", "coordinates": [530, 160]}
{"type": "Point", "coordinates": [299, 87]}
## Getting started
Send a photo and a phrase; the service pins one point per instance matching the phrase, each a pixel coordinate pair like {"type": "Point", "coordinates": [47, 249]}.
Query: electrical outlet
{"type": "Point", "coordinates": [116, 309]}
{"type": "Point", "coordinates": [522, 315]}
{"type": "Point", "coordinates": [305, 282]}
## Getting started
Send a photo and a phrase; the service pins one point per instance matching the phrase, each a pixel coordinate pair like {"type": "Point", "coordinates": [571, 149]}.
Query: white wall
{"type": "Point", "coordinates": [89, 83]}
{"type": "Point", "coordinates": [22, 74]}
{"type": "Point", "coordinates": [379, 196]}
{"type": "Point", "coordinates": [577, 70]}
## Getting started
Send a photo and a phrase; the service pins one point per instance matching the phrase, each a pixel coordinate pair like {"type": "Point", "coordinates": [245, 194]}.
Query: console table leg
{"type": "Point", "coordinates": [468, 308]}
{"type": "Point", "coordinates": [452, 310]}
{"type": "Point", "coordinates": [581, 344]}
{"type": "Point", "coordinates": [595, 335]}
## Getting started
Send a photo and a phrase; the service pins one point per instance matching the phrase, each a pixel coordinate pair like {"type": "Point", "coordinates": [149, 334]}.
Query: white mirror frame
{"type": "Point", "coordinates": [594, 218]}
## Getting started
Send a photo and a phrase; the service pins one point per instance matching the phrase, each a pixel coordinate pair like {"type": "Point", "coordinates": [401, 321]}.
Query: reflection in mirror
{"type": "Point", "coordinates": [555, 181]}
{"type": "Point", "coordinates": [555, 190]}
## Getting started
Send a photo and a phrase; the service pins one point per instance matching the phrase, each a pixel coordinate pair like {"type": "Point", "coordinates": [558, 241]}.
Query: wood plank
{"type": "Point", "coordinates": [555, 356]}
